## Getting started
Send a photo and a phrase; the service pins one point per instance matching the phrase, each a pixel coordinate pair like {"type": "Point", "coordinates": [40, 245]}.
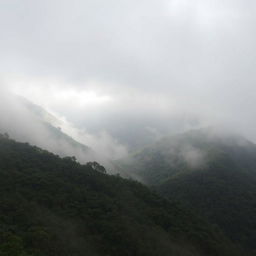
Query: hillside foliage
{"type": "Point", "coordinates": [54, 206]}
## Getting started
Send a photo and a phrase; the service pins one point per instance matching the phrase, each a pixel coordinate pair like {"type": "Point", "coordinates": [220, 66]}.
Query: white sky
{"type": "Point", "coordinates": [139, 63]}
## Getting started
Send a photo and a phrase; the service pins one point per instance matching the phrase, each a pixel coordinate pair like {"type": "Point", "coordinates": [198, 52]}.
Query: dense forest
{"type": "Point", "coordinates": [213, 174]}
{"type": "Point", "coordinates": [226, 196]}
{"type": "Point", "coordinates": [56, 206]}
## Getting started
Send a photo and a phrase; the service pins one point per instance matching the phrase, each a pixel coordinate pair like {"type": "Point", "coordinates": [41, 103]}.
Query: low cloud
{"type": "Point", "coordinates": [102, 143]}
{"type": "Point", "coordinates": [27, 122]}
{"type": "Point", "coordinates": [193, 157]}
{"type": "Point", "coordinates": [118, 68]}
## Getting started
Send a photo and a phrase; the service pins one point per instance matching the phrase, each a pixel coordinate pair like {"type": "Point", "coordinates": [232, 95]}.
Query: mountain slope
{"type": "Point", "coordinates": [53, 206]}
{"type": "Point", "coordinates": [211, 172]}
{"type": "Point", "coordinates": [27, 122]}
{"type": "Point", "coordinates": [224, 194]}
{"type": "Point", "coordinates": [186, 152]}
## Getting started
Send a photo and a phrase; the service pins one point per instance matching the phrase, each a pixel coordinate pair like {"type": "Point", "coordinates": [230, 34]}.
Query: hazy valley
{"type": "Point", "coordinates": [127, 128]}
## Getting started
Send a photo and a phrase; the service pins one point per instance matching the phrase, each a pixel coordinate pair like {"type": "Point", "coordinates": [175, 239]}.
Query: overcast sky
{"type": "Point", "coordinates": [126, 66]}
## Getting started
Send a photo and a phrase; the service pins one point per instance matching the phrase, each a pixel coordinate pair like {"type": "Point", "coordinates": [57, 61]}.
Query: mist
{"type": "Point", "coordinates": [121, 75]}
{"type": "Point", "coordinates": [29, 123]}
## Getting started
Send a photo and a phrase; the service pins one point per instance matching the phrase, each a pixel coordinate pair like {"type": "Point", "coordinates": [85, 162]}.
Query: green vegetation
{"type": "Point", "coordinates": [54, 206]}
{"type": "Point", "coordinates": [222, 192]}
{"type": "Point", "coordinates": [213, 174]}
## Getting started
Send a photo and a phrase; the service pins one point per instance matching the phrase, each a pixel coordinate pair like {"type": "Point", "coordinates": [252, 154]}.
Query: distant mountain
{"type": "Point", "coordinates": [211, 172]}
{"type": "Point", "coordinates": [27, 122]}
{"type": "Point", "coordinates": [53, 206]}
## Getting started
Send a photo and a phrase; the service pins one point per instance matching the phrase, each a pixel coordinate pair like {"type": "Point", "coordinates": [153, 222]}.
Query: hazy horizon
{"type": "Point", "coordinates": [120, 75]}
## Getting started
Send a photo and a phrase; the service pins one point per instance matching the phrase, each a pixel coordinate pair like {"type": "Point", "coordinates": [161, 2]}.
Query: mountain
{"type": "Point", "coordinates": [27, 122]}
{"type": "Point", "coordinates": [56, 206]}
{"type": "Point", "coordinates": [212, 172]}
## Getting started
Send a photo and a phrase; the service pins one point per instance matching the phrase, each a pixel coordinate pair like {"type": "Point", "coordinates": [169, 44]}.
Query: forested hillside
{"type": "Point", "coordinates": [210, 172]}
{"type": "Point", "coordinates": [224, 192]}
{"type": "Point", "coordinates": [54, 206]}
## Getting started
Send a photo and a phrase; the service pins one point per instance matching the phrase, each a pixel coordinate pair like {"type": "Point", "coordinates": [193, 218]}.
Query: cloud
{"type": "Point", "coordinates": [105, 146]}
{"type": "Point", "coordinates": [27, 122]}
{"type": "Point", "coordinates": [193, 157]}
{"type": "Point", "coordinates": [121, 67]}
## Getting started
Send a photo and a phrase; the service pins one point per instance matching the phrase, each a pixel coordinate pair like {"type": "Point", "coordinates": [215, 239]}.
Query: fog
{"type": "Point", "coordinates": [120, 75]}
{"type": "Point", "coordinates": [29, 123]}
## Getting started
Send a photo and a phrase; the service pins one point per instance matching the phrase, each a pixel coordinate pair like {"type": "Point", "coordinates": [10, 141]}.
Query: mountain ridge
{"type": "Point", "coordinates": [54, 206]}
{"type": "Point", "coordinates": [212, 173]}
